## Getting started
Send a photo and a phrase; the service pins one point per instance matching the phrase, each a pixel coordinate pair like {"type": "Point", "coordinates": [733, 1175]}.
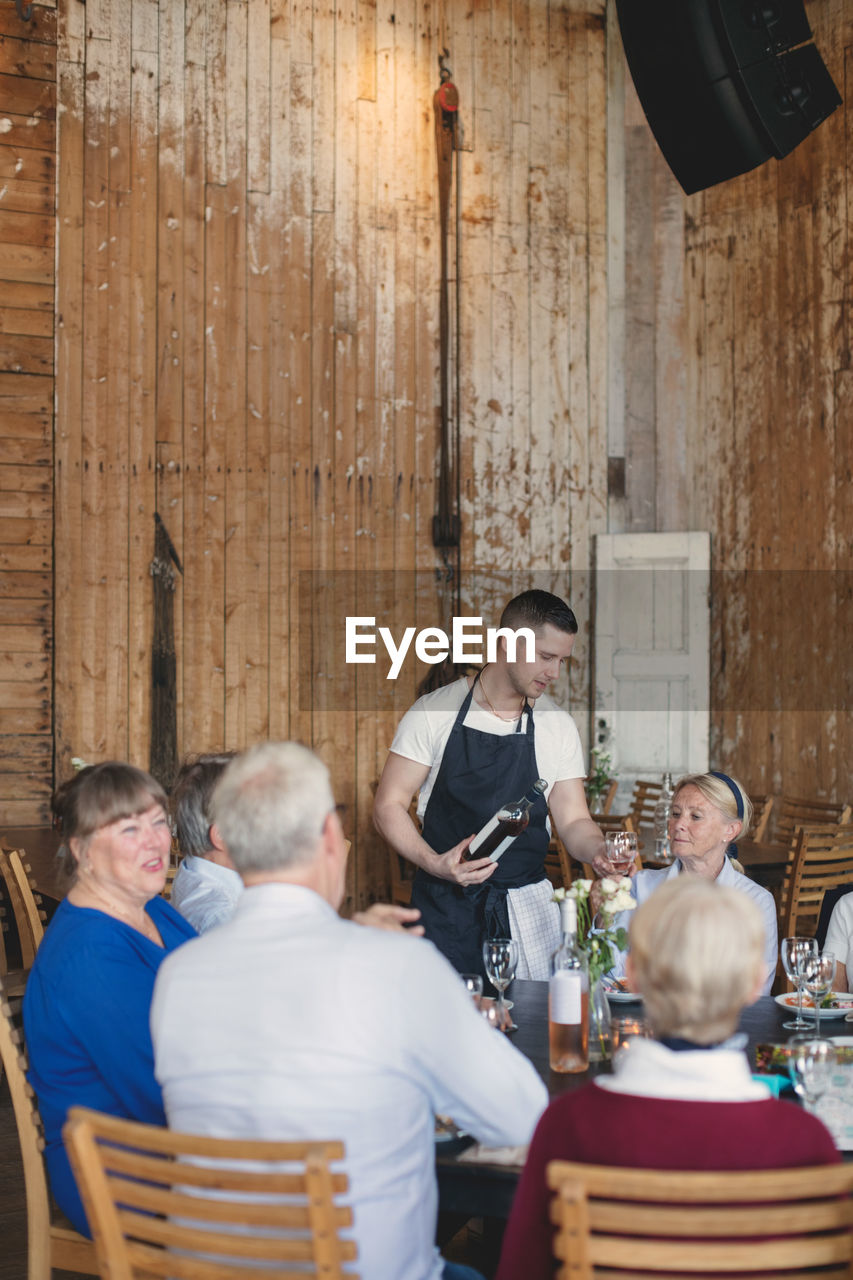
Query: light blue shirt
{"type": "Point", "coordinates": [290, 1023]}
{"type": "Point", "coordinates": [205, 893]}
{"type": "Point", "coordinates": [644, 884]}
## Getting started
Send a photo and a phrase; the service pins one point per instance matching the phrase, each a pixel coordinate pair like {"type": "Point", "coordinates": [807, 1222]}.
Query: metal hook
{"type": "Point", "coordinates": [444, 72]}
{"type": "Point", "coordinates": [24, 14]}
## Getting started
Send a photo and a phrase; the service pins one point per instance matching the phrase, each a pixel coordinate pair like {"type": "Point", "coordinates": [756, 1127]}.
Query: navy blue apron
{"type": "Point", "coordinates": [478, 773]}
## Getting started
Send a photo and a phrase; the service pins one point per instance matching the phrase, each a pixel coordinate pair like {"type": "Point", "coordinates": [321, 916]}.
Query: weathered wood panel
{"type": "Point", "coordinates": [27, 165]}
{"type": "Point", "coordinates": [737, 360]}
{"type": "Point", "coordinates": [247, 336]}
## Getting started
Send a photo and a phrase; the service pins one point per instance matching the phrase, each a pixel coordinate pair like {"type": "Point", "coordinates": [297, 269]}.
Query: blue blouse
{"type": "Point", "coordinates": [86, 1025]}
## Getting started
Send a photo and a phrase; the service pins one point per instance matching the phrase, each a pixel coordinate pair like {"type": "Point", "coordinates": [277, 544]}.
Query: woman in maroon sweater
{"type": "Point", "coordinates": [686, 1100]}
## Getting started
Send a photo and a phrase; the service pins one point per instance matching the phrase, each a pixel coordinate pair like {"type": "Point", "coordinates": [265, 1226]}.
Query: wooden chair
{"type": "Point", "coordinates": [166, 1204]}
{"type": "Point", "coordinates": [762, 807]}
{"type": "Point", "coordinates": [643, 800]}
{"type": "Point", "coordinates": [26, 904]}
{"type": "Point", "coordinates": [401, 878]}
{"type": "Point", "coordinates": [50, 1243]}
{"type": "Point", "coordinates": [823, 859]}
{"type": "Point", "coordinates": [794, 811]}
{"type": "Point", "coordinates": [626, 1223]}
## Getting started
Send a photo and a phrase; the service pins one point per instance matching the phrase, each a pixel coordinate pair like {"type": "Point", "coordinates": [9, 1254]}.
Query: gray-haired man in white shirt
{"type": "Point", "coordinates": [288, 1022]}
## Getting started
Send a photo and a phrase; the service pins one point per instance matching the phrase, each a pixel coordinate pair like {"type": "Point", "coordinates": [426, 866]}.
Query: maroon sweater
{"type": "Point", "coordinates": [595, 1126]}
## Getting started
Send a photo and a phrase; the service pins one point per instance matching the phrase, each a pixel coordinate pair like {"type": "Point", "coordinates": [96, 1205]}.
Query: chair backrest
{"type": "Point", "coordinates": [795, 811]}
{"type": "Point", "coordinates": [643, 800]}
{"type": "Point", "coordinates": [626, 1223]}
{"type": "Point", "coordinates": [762, 807]}
{"type": "Point", "coordinates": [48, 1245]}
{"type": "Point", "coordinates": [26, 904]}
{"type": "Point", "coordinates": [822, 860]}
{"type": "Point", "coordinates": [154, 1196]}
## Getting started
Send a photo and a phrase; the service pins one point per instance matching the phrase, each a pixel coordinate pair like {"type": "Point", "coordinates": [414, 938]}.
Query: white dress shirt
{"type": "Point", "coordinates": [644, 884]}
{"type": "Point", "coordinates": [205, 893]}
{"type": "Point", "coordinates": [291, 1023]}
{"type": "Point", "coordinates": [839, 935]}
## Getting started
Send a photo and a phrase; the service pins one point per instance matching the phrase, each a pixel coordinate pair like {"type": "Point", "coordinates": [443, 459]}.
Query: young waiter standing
{"type": "Point", "coordinates": [467, 749]}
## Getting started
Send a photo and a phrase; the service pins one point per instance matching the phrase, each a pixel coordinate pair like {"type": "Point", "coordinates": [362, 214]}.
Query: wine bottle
{"type": "Point", "coordinates": [663, 811]}
{"type": "Point", "coordinates": [493, 840]}
{"type": "Point", "coordinates": [568, 998]}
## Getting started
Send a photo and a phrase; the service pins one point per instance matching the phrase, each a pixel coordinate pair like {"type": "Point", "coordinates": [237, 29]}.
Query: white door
{"type": "Point", "coordinates": [652, 654]}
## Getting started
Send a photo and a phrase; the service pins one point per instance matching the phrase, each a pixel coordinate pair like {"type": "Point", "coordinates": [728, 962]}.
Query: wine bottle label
{"type": "Point", "coordinates": [564, 997]}
{"type": "Point", "coordinates": [483, 833]}
{"type": "Point", "coordinates": [501, 849]}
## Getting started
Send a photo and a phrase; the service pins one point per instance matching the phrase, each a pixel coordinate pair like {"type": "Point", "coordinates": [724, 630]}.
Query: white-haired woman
{"type": "Point", "coordinates": [686, 1100]}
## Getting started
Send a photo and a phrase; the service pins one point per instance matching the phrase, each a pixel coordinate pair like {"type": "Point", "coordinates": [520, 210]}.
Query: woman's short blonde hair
{"type": "Point", "coordinates": [697, 953]}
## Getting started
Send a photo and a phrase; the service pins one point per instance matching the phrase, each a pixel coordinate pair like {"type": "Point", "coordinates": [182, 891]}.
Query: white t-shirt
{"type": "Point", "coordinates": [423, 732]}
{"type": "Point", "coordinates": [839, 935]}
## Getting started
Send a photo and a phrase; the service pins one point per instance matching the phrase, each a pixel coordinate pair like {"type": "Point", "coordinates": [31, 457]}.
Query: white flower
{"type": "Point", "coordinates": [609, 886]}
{"type": "Point", "coordinates": [624, 900]}
{"type": "Point", "coordinates": [77, 764]}
{"type": "Point", "coordinates": [580, 888]}
{"type": "Point", "coordinates": [558, 894]}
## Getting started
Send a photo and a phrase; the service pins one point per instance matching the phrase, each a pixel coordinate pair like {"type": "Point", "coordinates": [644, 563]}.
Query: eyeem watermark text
{"type": "Point", "coordinates": [433, 645]}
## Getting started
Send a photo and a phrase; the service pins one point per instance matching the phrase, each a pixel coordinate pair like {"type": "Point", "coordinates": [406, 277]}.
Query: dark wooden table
{"type": "Point", "coordinates": [482, 1190]}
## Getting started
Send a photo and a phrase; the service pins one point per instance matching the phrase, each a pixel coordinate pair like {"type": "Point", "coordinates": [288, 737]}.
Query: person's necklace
{"type": "Point", "coordinates": [147, 928]}
{"type": "Point", "coordinates": [493, 708]}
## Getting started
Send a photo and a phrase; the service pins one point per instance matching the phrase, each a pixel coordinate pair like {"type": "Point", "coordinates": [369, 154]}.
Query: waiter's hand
{"type": "Point", "coordinates": [452, 867]}
{"type": "Point", "coordinates": [387, 915]}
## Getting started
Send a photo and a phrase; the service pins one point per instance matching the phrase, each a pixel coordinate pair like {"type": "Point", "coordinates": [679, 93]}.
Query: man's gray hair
{"type": "Point", "coordinates": [270, 805]}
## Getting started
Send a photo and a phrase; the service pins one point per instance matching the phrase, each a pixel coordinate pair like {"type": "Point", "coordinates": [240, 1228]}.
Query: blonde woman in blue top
{"type": "Point", "coordinates": [88, 996]}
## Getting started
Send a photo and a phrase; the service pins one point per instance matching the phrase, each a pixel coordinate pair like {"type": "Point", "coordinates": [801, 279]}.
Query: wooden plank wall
{"type": "Point", "coordinates": [27, 172]}
{"type": "Point", "coordinates": [738, 420]}
{"type": "Point", "coordinates": [248, 295]}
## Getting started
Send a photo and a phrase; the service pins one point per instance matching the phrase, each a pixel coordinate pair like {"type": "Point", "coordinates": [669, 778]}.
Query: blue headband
{"type": "Point", "coordinates": [733, 787]}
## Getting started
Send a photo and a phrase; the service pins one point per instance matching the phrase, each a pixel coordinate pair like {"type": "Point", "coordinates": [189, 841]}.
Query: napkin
{"type": "Point", "coordinates": [513, 1156]}
{"type": "Point", "coordinates": [776, 1084]}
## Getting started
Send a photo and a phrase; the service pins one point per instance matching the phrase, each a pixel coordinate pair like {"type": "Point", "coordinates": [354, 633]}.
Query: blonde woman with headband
{"type": "Point", "coordinates": [710, 812]}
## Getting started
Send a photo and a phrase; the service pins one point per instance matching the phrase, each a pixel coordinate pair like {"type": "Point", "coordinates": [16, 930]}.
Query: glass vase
{"type": "Point", "coordinates": [599, 1023]}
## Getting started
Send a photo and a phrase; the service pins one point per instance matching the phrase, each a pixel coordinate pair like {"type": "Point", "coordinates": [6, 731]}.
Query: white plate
{"type": "Point", "coordinates": [788, 1000]}
{"type": "Point", "coordinates": [622, 997]}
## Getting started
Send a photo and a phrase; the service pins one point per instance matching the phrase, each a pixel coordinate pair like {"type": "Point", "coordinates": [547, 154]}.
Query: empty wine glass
{"type": "Point", "coordinates": [621, 849]}
{"type": "Point", "coordinates": [795, 952]}
{"type": "Point", "coordinates": [810, 1066]}
{"type": "Point", "coordinates": [473, 983]}
{"type": "Point", "coordinates": [500, 956]}
{"type": "Point", "coordinates": [818, 974]}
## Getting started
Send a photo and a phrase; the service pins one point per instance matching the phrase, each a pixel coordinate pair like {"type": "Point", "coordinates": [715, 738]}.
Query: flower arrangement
{"type": "Point", "coordinates": [602, 900]}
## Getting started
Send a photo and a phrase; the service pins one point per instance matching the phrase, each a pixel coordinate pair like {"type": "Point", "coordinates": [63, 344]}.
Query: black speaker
{"type": "Point", "coordinates": [722, 82]}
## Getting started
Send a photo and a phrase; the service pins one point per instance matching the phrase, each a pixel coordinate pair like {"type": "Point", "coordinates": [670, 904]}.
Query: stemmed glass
{"type": "Point", "coordinates": [810, 1066]}
{"type": "Point", "coordinates": [473, 984]}
{"type": "Point", "coordinates": [795, 954]}
{"type": "Point", "coordinates": [818, 974]}
{"type": "Point", "coordinates": [500, 956]}
{"type": "Point", "coordinates": [621, 849]}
